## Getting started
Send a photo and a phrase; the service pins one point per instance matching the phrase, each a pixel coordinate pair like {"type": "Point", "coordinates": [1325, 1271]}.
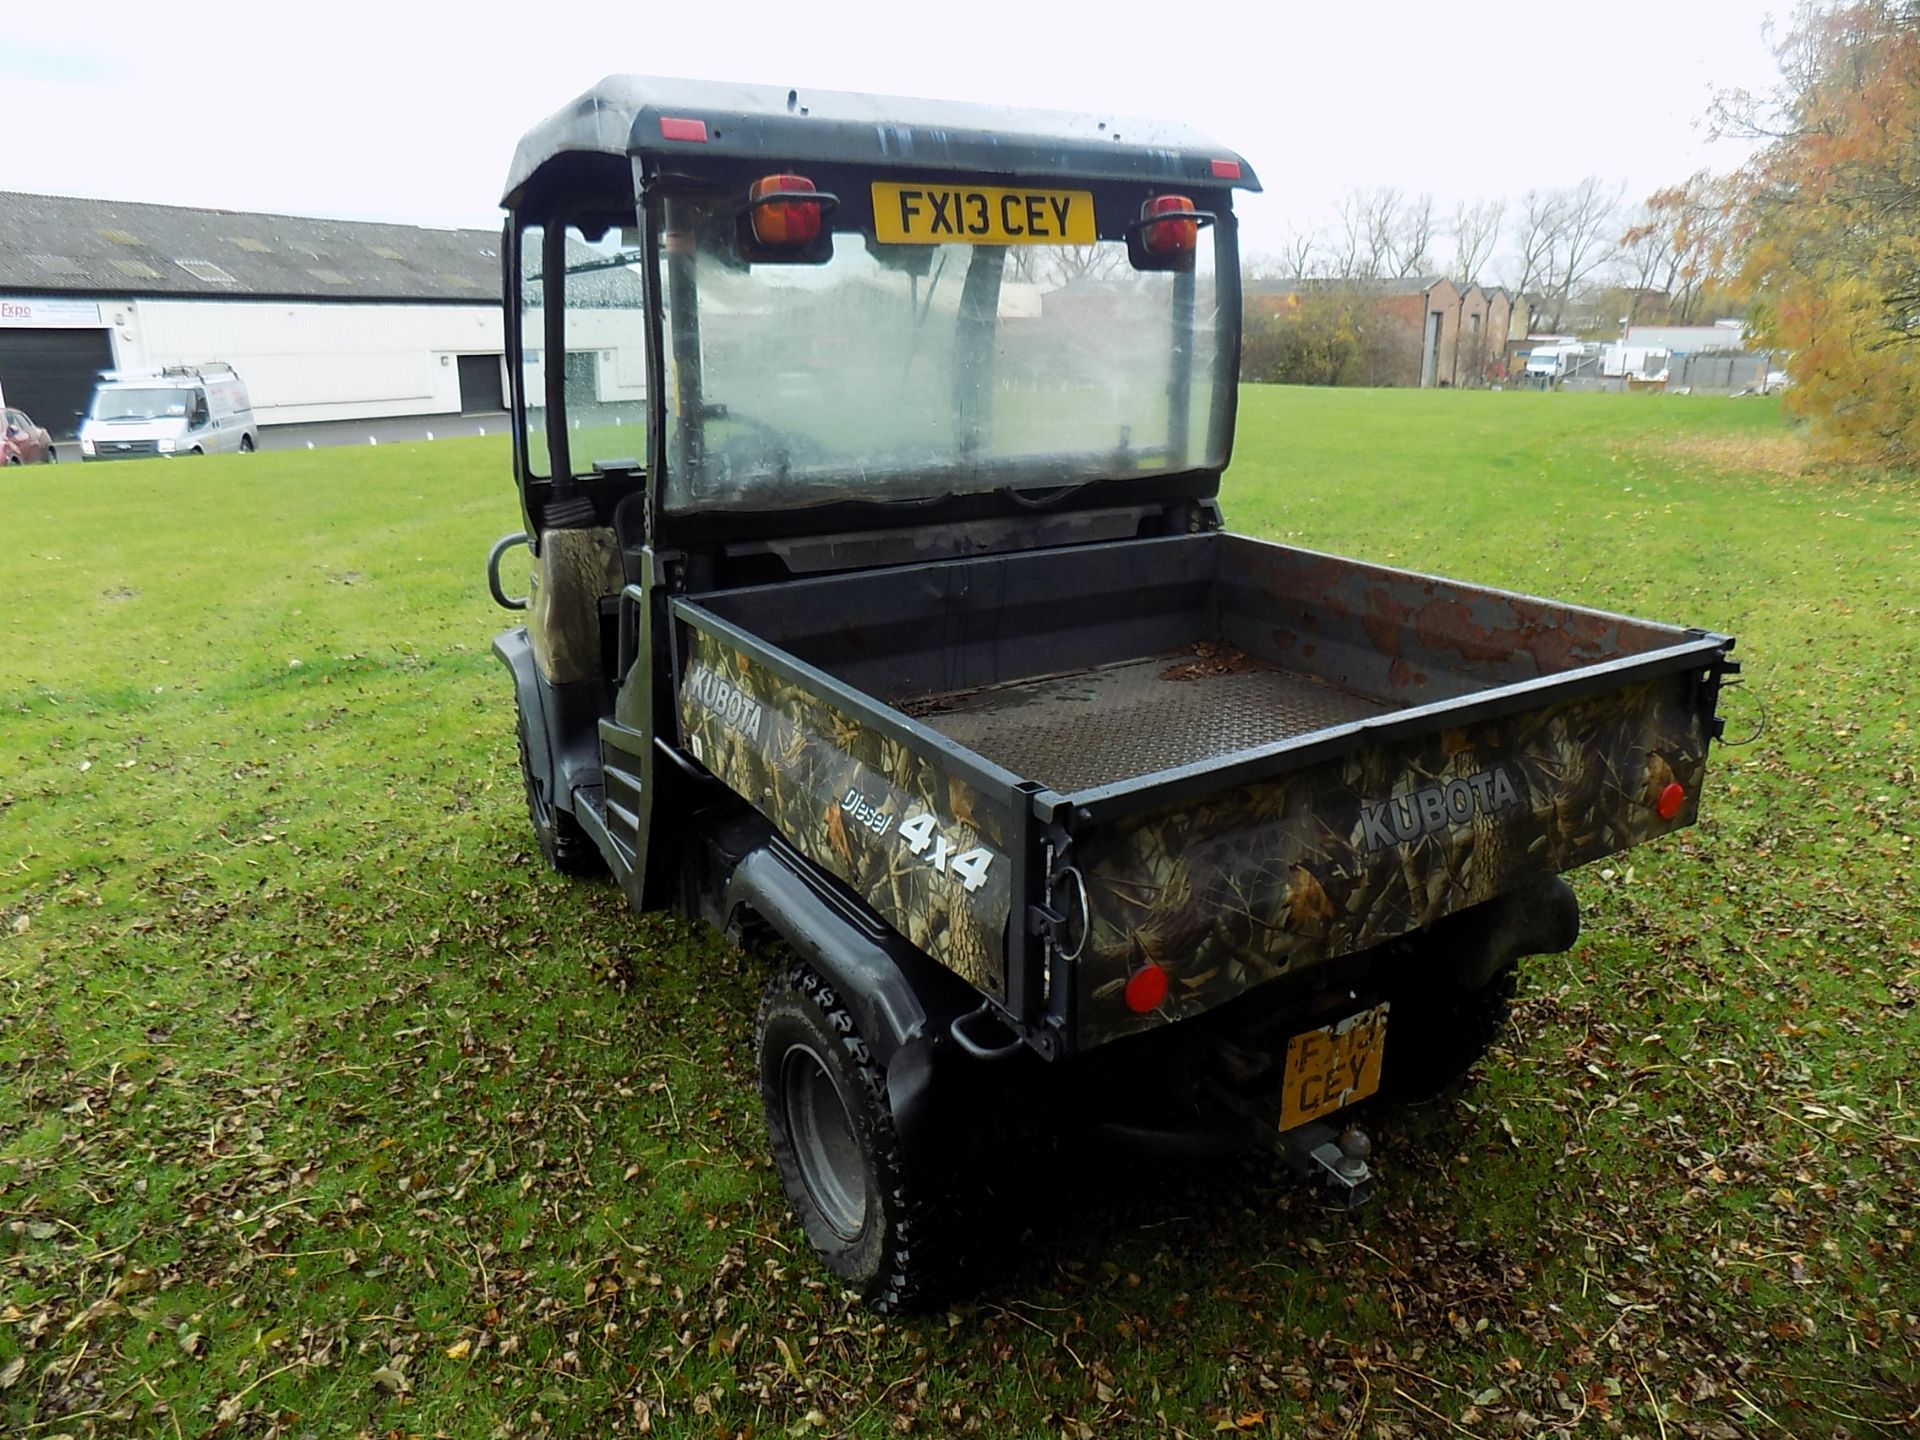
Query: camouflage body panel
{"type": "Point", "coordinates": [926, 850]}
{"type": "Point", "coordinates": [1231, 891]}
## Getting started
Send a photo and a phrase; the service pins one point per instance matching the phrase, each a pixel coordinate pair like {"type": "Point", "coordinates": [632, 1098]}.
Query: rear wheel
{"type": "Point", "coordinates": [13, 459]}
{"type": "Point", "coordinates": [1437, 1032]}
{"type": "Point", "coordinates": [567, 848]}
{"type": "Point", "coordinates": [246, 444]}
{"type": "Point", "coordinates": [876, 1225]}
{"type": "Point", "coordinates": [52, 455]}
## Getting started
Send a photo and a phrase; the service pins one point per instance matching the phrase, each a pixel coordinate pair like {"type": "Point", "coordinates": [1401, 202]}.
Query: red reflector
{"type": "Point", "coordinates": [1226, 169]}
{"type": "Point", "coordinates": [694, 130]}
{"type": "Point", "coordinates": [1146, 988]}
{"type": "Point", "coordinates": [784, 224]}
{"type": "Point", "coordinates": [1169, 237]}
{"type": "Point", "coordinates": [1670, 801]}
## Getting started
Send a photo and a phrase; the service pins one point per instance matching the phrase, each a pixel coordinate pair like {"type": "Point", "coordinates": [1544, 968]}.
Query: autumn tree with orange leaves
{"type": "Point", "coordinates": [1825, 233]}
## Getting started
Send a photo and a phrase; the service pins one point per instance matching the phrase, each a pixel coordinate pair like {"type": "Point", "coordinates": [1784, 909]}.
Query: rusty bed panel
{"type": "Point", "coordinates": [1406, 638]}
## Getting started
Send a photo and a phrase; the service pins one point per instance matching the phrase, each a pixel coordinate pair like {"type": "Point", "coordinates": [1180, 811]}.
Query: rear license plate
{"type": "Point", "coordinates": [923, 214]}
{"type": "Point", "coordinates": [1334, 1066]}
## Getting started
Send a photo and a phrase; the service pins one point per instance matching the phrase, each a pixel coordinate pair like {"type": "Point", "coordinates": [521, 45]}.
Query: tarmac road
{"type": "Point", "coordinates": [402, 430]}
{"type": "Point", "coordinates": [386, 432]}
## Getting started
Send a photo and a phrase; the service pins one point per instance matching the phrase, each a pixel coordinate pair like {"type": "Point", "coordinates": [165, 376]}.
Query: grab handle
{"type": "Point", "coordinates": [976, 1048]}
{"type": "Point", "coordinates": [500, 547]}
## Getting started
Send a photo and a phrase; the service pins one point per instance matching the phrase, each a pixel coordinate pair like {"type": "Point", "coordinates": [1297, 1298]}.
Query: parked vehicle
{"type": "Point", "coordinates": [176, 410]}
{"type": "Point", "coordinates": [916, 650]}
{"type": "Point", "coordinates": [22, 442]}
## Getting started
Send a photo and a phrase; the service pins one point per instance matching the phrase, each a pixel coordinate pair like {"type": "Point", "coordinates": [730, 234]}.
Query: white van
{"type": "Point", "coordinates": [178, 410]}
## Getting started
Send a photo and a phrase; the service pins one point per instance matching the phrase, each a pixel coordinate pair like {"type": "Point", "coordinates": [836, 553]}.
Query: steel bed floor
{"type": "Point", "coordinates": [1096, 727]}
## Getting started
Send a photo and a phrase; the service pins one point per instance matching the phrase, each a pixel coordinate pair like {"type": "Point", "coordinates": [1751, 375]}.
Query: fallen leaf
{"type": "Point", "coordinates": [136, 1281]}
{"type": "Point", "coordinates": [95, 1312]}
{"type": "Point", "coordinates": [10, 1373]}
{"type": "Point", "coordinates": [388, 1380]}
{"type": "Point", "coordinates": [459, 1350]}
{"type": "Point", "coordinates": [787, 1356]}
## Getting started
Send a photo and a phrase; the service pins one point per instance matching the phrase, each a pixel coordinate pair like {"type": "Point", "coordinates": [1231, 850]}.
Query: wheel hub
{"type": "Point", "coordinates": [824, 1144]}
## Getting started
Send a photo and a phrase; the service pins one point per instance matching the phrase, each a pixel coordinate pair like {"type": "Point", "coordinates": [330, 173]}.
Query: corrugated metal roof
{"type": "Point", "coordinates": [67, 245]}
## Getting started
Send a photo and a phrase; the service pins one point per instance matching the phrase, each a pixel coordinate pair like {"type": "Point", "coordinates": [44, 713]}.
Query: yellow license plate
{"type": "Point", "coordinates": [1334, 1066]}
{"type": "Point", "coordinates": [918, 213]}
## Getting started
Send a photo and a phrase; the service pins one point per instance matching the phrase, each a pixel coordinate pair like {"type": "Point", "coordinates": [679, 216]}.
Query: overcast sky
{"type": "Point", "coordinates": [405, 111]}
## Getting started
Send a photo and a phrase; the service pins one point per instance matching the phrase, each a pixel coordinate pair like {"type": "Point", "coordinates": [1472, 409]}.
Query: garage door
{"type": "Point", "coordinates": [480, 392]}
{"type": "Point", "coordinates": [50, 373]}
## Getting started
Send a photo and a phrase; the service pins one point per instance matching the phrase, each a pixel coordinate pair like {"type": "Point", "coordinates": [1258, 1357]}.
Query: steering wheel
{"type": "Point", "coordinates": [763, 447]}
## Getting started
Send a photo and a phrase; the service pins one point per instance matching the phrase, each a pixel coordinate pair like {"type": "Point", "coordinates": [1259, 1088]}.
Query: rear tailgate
{"type": "Point", "coordinates": [1237, 887]}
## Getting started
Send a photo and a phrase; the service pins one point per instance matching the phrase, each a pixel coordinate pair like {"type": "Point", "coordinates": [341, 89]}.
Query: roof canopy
{"type": "Point", "coordinates": [622, 116]}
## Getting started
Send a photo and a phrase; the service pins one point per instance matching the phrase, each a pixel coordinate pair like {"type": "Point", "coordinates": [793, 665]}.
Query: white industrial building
{"type": "Point", "coordinates": [323, 319]}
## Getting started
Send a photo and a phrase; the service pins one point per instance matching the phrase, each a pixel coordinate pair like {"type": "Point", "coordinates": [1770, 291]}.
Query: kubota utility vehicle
{"type": "Point", "coordinates": [882, 610]}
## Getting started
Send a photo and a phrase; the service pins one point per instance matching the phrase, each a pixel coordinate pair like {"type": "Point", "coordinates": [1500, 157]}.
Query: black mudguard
{"type": "Point", "coordinates": [903, 1002]}
{"type": "Point", "coordinates": [563, 743]}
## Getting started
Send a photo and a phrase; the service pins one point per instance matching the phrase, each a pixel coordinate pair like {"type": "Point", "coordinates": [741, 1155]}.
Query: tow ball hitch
{"type": "Point", "coordinates": [1336, 1160]}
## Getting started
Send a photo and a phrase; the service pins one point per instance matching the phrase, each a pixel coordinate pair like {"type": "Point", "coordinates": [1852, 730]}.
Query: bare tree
{"type": "Point", "coordinates": [1057, 266]}
{"type": "Point", "coordinates": [1562, 242]}
{"type": "Point", "coordinates": [1379, 234]}
{"type": "Point", "coordinates": [1379, 212]}
{"type": "Point", "coordinates": [1587, 218]}
{"type": "Point", "coordinates": [1358, 239]}
{"type": "Point", "coordinates": [1648, 263]}
{"type": "Point", "coordinates": [1297, 255]}
{"type": "Point", "coordinates": [1533, 247]}
{"type": "Point", "coordinates": [1410, 233]}
{"type": "Point", "coordinates": [1475, 232]}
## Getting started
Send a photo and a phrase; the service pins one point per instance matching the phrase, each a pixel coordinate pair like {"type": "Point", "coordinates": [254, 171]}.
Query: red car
{"type": "Point", "coordinates": [22, 441]}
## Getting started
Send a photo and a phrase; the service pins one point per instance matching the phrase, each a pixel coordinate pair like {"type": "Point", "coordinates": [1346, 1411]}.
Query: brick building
{"type": "Point", "coordinates": [1425, 330]}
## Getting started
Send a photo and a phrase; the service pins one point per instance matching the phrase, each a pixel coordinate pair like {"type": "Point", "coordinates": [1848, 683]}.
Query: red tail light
{"type": "Point", "coordinates": [1146, 988]}
{"type": "Point", "coordinates": [676, 128]}
{"type": "Point", "coordinates": [1169, 237]}
{"type": "Point", "coordinates": [1670, 801]}
{"type": "Point", "coordinates": [783, 219]}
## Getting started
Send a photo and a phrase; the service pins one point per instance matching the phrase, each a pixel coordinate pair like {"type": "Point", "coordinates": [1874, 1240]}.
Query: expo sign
{"type": "Point", "coordinates": [20, 313]}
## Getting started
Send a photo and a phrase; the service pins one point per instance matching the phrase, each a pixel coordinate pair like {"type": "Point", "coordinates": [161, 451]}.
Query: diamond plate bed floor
{"type": "Point", "coordinates": [1117, 722]}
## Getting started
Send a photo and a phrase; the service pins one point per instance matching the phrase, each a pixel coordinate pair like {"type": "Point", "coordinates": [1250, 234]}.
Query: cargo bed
{"type": "Point", "coordinates": [1255, 755]}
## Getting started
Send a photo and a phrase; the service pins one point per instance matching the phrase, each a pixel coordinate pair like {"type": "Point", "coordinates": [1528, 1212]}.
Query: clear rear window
{"type": "Point", "coordinates": [902, 372]}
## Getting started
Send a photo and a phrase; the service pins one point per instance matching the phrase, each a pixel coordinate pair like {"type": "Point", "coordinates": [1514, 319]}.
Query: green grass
{"type": "Point", "coordinates": [324, 1109]}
